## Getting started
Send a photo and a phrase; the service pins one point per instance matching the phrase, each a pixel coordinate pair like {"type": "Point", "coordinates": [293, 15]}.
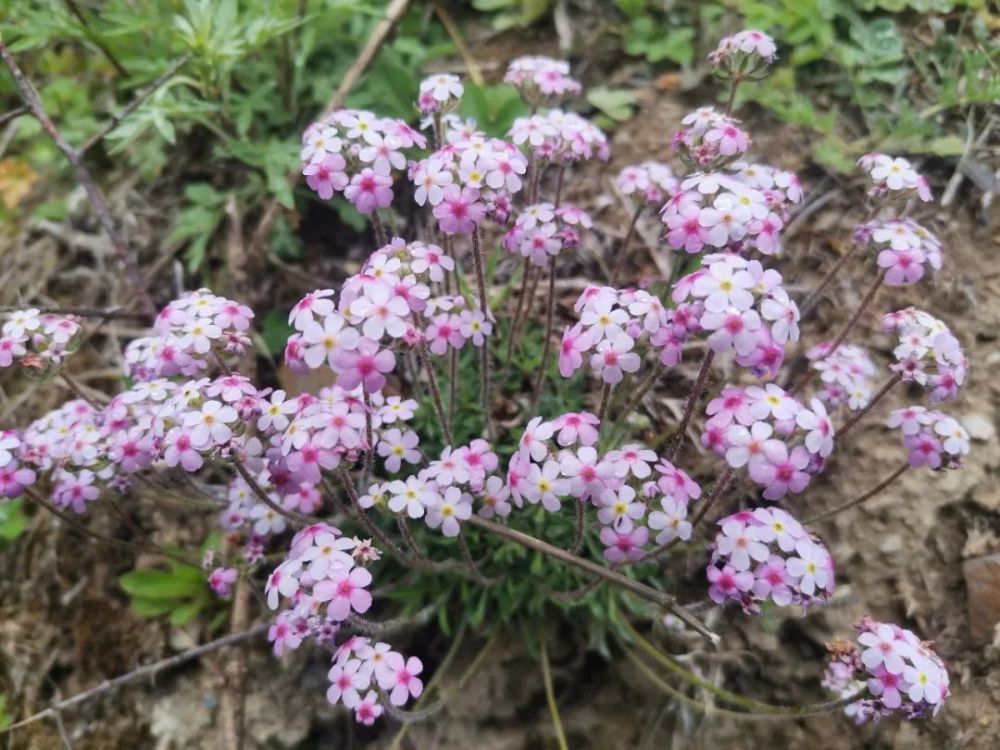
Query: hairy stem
{"type": "Point", "coordinates": [858, 415]}
{"type": "Point", "coordinates": [484, 353]}
{"type": "Point", "coordinates": [549, 318]}
{"type": "Point", "coordinates": [603, 408]}
{"type": "Point", "coordinates": [692, 402]}
{"type": "Point", "coordinates": [861, 498]}
{"type": "Point", "coordinates": [623, 252]}
{"type": "Point", "coordinates": [550, 697]}
{"type": "Point", "coordinates": [435, 390]}
{"type": "Point", "coordinates": [846, 330]}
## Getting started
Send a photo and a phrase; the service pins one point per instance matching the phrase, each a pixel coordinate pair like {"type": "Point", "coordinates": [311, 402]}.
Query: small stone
{"type": "Point", "coordinates": [891, 543]}
{"type": "Point", "coordinates": [979, 427]}
{"type": "Point", "coordinates": [982, 586]}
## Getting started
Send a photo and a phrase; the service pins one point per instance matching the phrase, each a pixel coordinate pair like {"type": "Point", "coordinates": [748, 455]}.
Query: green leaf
{"type": "Point", "coordinates": [494, 108]}
{"type": "Point", "coordinates": [152, 607]}
{"type": "Point", "coordinates": [275, 330]}
{"type": "Point", "coordinates": [615, 103]}
{"type": "Point", "coordinates": [185, 613]}
{"type": "Point", "coordinates": [159, 584]}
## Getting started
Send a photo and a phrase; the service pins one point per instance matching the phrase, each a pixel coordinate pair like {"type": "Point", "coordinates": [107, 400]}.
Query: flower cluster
{"type": "Point", "coordinates": [744, 309]}
{"type": "Point", "coordinates": [193, 333]}
{"type": "Point", "coordinates": [894, 177]}
{"type": "Point", "coordinates": [765, 555]}
{"type": "Point", "coordinates": [905, 249]}
{"type": "Point", "coordinates": [38, 342]}
{"type": "Point", "coordinates": [325, 580]}
{"type": "Point", "coordinates": [781, 442]}
{"type": "Point", "coordinates": [746, 54]}
{"type": "Point", "coordinates": [901, 673]}
{"type": "Point", "coordinates": [927, 353]}
{"type": "Point", "coordinates": [848, 374]}
{"type": "Point", "coordinates": [716, 209]}
{"type": "Point", "coordinates": [558, 459]}
{"type": "Point", "coordinates": [14, 474]}
{"type": "Point", "coordinates": [612, 322]}
{"type": "Point", "coordinates": [710, 140]}
{"type": "Point", "coordinates": [542, 80]}
{"type": "Point", "coordinates": [441, 492]}
{"type": "Point", "coordinates": [653, 181]}
{"type": "Point", "coordinates": [439, 94]}
{"type": "Point", "coordinates": [931, 438]}
{"type": "Point", "coordinates": [355, 153]}
{"type": "Point", "coordinates": [468, 180]}
{"type": "Point", "coordinates": [560, 137]}
{"type": "Point", "coordinates": [542, 231]}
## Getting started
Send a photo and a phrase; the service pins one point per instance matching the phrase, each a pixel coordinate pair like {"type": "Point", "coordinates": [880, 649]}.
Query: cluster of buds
{"type": "Point", "coordinates": [355, 153]}
{"type": "Point", "coordinates": [781, 442]}
{"type": "Point", "coordinates": [931, 438]}
{"type": "Point", "coordinates": [469, 180]}
{"type": "Point", "coordinates": [559, 137]}
{"type": "Point", "coordinates": [765, 555]}
{"type": "Point", "coordinates": [743, 308]}
{"type": "Point", "coordinates": [38, 342]}
{"type": "Point", "coordinates": [746, 54]}
{"type": "Point", "coordinates": [894, 177]}
{"type": "Point", "coordinates": [709, 140]}
{"type": "Point", "coordinates": [542, 81]}
{"type": "Point", "coordinates": [193, 334]}
{"type": "Point", "coordinates": [905, 249]}
{"type": "Point", "coordinates": [927, 354]}
{"type": "Point", "coordinates": [654, 182]}
{"type": "Point", "coordinates": [892, 668]}
{"type": "Point", "coordinates": [848, 374]}
{"type": "Point", "coordinates": [542, 231]}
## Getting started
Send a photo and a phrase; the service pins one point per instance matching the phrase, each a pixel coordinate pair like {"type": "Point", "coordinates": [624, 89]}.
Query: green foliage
{"type": "Point", "coordinates": [648, 38]}
{"type": "Point", "coordinates": [12, 521]}
{"type": "Point", "coordinates": [613, 104]}
{"type": "Point", "coordinates": [228, 122]}
{"type": "Point", "coordinates": [180, 592]}
{"type": "Point", "coordinates": [494, 108]}
{"type": "Point", "coordinates": [5, 719]}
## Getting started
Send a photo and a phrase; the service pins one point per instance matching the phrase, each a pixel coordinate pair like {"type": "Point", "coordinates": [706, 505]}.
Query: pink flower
{"type": "Point", "coordinates": [368, 709]}
{"type": "Point", "coordinates": [327, 176]}
{"type": "Point", "coordinates": [779, 471]}
{"type": "Point", "coordinates": [346, 593]}
{"type": "Point", "coordinates": [400, 677]}
{"type": "Point", "coordinates": [459, 211]}
{"type": "Point", "coordinates": [573, 428]}
{"type": "Point", "coordinates": [726, 582]}
{"type": "Point", "coordinates": [346, 680]}
{"type": "Point", "coordinates": [323, 343]}
{"type": "Point", "coordinates": [222, 579]}
{"type": "Point", "coordinates": [366, 366]}
{"type": "Point", "coordinates": [369, 190]}
{"type": "Point", "coordinates": [615, 357]}
{"type": "Point", "coordinates": [180, 450]}
{"type": "Point", "coordinates": [621, 546]}
{"type": "Point", "coordinates": [575, 341]}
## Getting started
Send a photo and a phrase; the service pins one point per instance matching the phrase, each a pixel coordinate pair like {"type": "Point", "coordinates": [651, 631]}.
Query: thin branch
{"type": "Point", "coordinates": [858, 415]}
{"type": "Point", "coordinates": [150, 670]}
{"type": "Point", "coordinates": [692, 401]}
{"type": "Point", "coordinates": [648, 593]}
{"type": "Point", "coordinates": [133, 105]}
{"type": "Point", "coordinates": [97, 201]}
{"type": "Point", "coordinates": [860, 499]}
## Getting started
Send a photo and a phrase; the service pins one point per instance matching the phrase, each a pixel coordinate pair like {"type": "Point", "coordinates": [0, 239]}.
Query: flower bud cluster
{"type": "Point", "coordinates": [38, 342]}
{"type": "Point", "coordinates": [746, 54]}
{"type": "Point", "coordinates": [927, 354]}
{"type": "Point", "coordinates": [653, 181]}
{"type": "Point", "coordinates": [902, 674]}
{"type": "Point", "coordinates": [763, 555]}
{"type": "Point", "coordinates": [542, 231]}
{"type": "Point", "coordinates": [542, 80]}
{"type": "Point", "coordinates": [848, 374]}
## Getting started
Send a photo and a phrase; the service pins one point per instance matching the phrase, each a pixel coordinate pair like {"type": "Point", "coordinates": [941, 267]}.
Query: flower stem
{"type": "Point", "coordinates": [848, 327]}
{"type": "Point", "coordinates": [380, 236]}
{"type": "Point", "coordinates": [369, 435]}
{"type": "Point", "coordinates": [623, 252]}
{"type": "Point", "coordinates": [549, 318]}
{"type": "Point", "coordinates": [861, 498]}
{"type": "Point", "coordinates": [807, 305]}
{"type": "Point", "coordinates": [638, 588]}
{"type": "Point", "coordinates": [737, 80]}
{"type": "Point", "coordinates": [559, 186]}
{"type": "Point", "coordinates": [484, 350]}
{"type": "Point", "coordinates": [366, 520]}
{"type": "Point", "coordinates": [291, 515]}
{"type": "Point", "coordinates": [528, 301]}
{"type": "Point", "coordinates": [525, 273]}
{"type": "Point", "coordinates": [452, 384]}
{"type": "Point", "coordinates": [435, 390]}
{"type": "Point", "coordinates": [477, 574]}
{"type": "Point", "coordinates": [850, 423]}
{"type": "Point", "coordinates": [603, 408]}
{"type": "Point", "coordinates": [581, 527]}
{"type": "Point", "coordinates": [692, 401]}
{"type": "Point", "coordinates": [550, 697]}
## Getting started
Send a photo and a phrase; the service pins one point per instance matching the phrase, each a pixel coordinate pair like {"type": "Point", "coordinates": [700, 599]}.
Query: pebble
{"type": "Point", "coordinates": [979, 427]}
{"type": "Point", "coordinates": [982, 586]}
